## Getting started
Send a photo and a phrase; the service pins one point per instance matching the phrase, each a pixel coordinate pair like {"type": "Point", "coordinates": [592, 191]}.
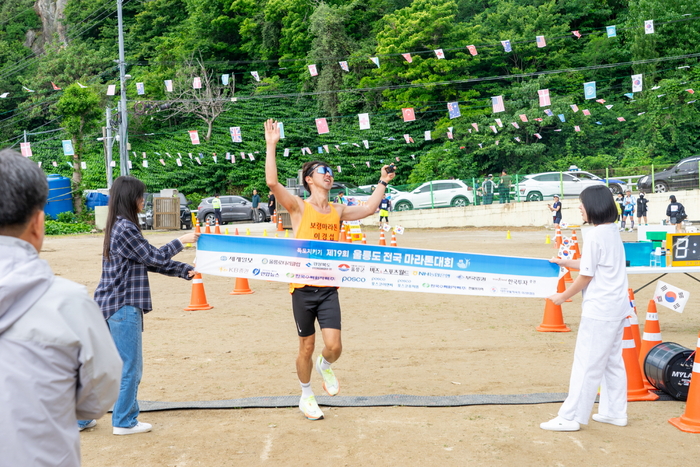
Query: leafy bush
{"type": "Point", "coordinates": [66, 217]}
{"type": "Point", "coordinates": [65, 228]}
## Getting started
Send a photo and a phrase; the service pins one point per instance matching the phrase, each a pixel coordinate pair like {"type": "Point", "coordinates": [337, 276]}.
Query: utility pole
{"type": "Point", "coordinates": [123, 122]}
{"type": "Point", "coordinates": [107, 135]}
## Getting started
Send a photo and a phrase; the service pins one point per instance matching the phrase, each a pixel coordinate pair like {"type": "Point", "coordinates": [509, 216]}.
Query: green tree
{"type": "Point", "coordinates": [79, 110]}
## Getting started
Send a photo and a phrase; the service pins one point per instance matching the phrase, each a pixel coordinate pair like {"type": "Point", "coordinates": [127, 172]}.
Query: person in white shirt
{"type": "Point", "coordinates": [629, 202]}
{"type": "Point", "coordinates": [598, 355]}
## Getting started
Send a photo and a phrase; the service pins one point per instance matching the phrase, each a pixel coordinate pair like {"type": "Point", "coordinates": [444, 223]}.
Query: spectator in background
{"type": "Point", "coordinates": [340, 198]}
{"type": "Point", "coordinates": [620, 201]}
{"type": "Point", "coordinates": [642, 209]}
{"type": "Point", "coordinates": [255, 205]}
{"type": "Point", "coordinates": [384, 208]}
{"type": "Point", "coordinates": [216, 204]}
{"type": "Point", "coordinates": [271, 204]}
{"type": "Point", "coordinates": [58, 362]}
{"type": "Point", "coordinates": [504, 188]}
{"type": "Point", "coordinates": [556, 211]}
{"type": "Point", "coordinates": [487, 188]}
{"type": "Point", "coordinates": [629, 202]}
{"type": "Point", "coordinates": [676, 214]}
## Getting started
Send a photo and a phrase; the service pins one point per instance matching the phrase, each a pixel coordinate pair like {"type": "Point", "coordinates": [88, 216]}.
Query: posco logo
{"type": "Point", "coordinates": [344, 267]}
{"type": "Point", "coordinates": [354, 279]}
{"type": "Point", "coordinates": [256, 271]}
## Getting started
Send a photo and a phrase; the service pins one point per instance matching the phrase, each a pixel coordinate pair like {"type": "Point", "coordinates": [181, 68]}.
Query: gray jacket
{"type": "Point", "coordinates": [58, 362]}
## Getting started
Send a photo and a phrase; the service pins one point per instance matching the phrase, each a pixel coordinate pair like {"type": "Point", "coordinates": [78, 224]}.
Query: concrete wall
{"type": "Point", "coordinates": [530, 214]}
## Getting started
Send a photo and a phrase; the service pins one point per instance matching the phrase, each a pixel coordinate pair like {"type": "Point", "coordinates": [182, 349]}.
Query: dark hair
{"type": "Point", "coordinates": [23, 191]}
{"type": "Point", "coordinates": [124, 197]}
{"type": "Point", "coordinates": [306, 170]}
{"type": "Point", "coordinates": [673, 198]}
{"type": "Point", "coordinates": [599, 205]}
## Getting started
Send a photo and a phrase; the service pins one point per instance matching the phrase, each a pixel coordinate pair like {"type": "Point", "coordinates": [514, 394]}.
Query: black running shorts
{"type": "Point", "coordinates": [310, 303]}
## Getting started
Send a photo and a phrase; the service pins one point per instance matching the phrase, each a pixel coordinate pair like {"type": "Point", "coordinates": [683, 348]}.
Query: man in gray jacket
{"type": "Point", "coordinates": [58, 362]}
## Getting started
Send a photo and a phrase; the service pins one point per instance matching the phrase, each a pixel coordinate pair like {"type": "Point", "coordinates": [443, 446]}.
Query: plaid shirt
{"type": "Point", "coordinates": [124, 278]}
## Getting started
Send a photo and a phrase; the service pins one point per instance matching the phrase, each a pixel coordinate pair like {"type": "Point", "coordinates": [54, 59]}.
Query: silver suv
{"type": "Point", "coordinates": [438, 193]}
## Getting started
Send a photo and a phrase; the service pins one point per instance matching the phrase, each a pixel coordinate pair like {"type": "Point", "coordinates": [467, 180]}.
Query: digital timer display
{"type": "Point", "coordinates": [685, 248]}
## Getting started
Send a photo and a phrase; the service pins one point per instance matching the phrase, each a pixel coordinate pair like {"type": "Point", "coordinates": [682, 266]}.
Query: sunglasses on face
{"type": "Point", "coordinates": [322, 169]}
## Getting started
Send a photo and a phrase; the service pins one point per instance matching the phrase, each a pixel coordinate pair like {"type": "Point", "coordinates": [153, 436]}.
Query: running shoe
{"type": "Point", "coordinates": [330, 382]}
{"type": "Point", "coordinates": [310, 408]}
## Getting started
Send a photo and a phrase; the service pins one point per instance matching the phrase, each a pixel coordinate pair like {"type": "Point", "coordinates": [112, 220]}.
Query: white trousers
{"type": "Point", "coordinates": [597, 363]}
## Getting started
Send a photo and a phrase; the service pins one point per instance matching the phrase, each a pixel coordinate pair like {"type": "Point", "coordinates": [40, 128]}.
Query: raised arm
{"type": "Point", "coordinates": [286, 199]}
{"type": "Point", "coordinates": [353, 213]}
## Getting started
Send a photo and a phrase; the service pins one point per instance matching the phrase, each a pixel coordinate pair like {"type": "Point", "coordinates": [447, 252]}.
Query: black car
{"type": "Point", "coordinates": [233, 208]}
{"type": "Point", "coordinates": [146, 216]}
{"type": "Point", "coordinates": [682, 176]}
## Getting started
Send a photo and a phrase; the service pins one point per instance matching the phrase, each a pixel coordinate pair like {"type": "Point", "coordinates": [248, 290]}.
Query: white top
{"type": "Point", "coordinates": [603, 257]}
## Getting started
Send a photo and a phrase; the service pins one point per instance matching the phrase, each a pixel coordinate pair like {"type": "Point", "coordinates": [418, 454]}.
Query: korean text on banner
{"type": "Point", "coordinates": [336, 264]}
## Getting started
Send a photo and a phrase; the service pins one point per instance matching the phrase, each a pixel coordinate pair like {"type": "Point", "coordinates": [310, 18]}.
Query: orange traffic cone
{"type": "Point", "coordinates": [364, 239]}
{"type": "Point", "coordinates": [236, 232]}
{"type": "Point", "coordinates": [635, 385]}
{"type": "Point", "coordinates": [634, 321]}
{"type": "Point", "coordinates": [279, 224]}
{"type": "Point", "coordinates": [652, 332]}
{"type": "Point", "coordinates": [348, 235]}
{"type": "Point", "coordinates": [341, 237]}
{"type": "Point", "coordinates": [217, 230]}
{"type": "Point", "coordinates": [382, 240]}
{"type": "Point", "coordinates": [206, 227]}
{"type": "Point", "coordinates": [561, 287]}
{"type": "Point", "coordinates": [198, 300]}
{"type": "Point", "coordinates": [241, 287]}
{"type": "Point", "coordinates": [576, 248]}
{"type": "Point", "coordinates": [650, 338]}
{"type": "Point", "coordinates": [553, 320]}
{"type": "Point", "coordinates": [274, 217]}
{"type": "Point", "coordinates": [393, 239]}
{"type": "Point", "coordinates": [557, 238]}
{"type": "Point", "coordinates": [690, 420]}
{"type": "Point", "coordinates": [196, 228]}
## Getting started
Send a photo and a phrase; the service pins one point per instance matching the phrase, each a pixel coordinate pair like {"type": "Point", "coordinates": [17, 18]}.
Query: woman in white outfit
{"type": "Point", "coordinates": [598, 355]}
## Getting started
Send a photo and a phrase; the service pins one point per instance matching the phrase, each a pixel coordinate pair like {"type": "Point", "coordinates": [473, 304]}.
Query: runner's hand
{"type": "Point", "coordinates": [272, 131]}
{"type": "Point", "coordinates": [387, 177]}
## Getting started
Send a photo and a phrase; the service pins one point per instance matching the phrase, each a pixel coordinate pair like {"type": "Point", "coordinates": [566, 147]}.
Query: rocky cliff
{"type": "Point", "coordinates": [51, 14]}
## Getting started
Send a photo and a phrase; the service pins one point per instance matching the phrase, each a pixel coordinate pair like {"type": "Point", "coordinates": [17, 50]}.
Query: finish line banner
{"type": "Point", "coordinates": [338, 264]}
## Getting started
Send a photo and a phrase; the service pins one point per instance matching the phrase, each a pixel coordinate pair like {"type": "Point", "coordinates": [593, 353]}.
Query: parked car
{"type": "Point", "coordinates": [537, 187]}
{"type": "Point", "coordinates": [683, 176]}
{"type": "Point", "coordinates": [438, 193]}
{"type": "Point", "coordinates": [233, 208]}
{"type": "Point", "coordinates": [146, 216]}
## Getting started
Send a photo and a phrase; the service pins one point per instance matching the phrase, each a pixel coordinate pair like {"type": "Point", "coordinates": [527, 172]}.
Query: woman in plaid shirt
{"type": "Point", "coordinates": [124, 294]}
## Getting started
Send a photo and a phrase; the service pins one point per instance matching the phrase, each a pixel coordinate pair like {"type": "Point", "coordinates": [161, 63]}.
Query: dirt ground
{"type": "Point", "coordinates": [394, 343]}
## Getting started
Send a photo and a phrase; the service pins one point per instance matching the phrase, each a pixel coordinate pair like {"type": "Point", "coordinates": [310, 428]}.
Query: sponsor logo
{"type": "Point", "coordinates": [223, 258]}
{"type": "Point", "coordinates": [344, 267]}
{"type": "Point", "coordinates": [355, 268]}
{"type": "Point", "coordinates": [354, 279]}
{"type": "Point", "coordinates": [427, 286]}
{"type": "Point", "coordinates": [434, 274]}
{"type": "Point", "coordinates": [265, 261]}
{"type": "Point", "coordinates": [256, 271]}
{"type": "Point", "coordinates": [234, 270]}
{"type": "Point", "coordinates": [290, 275]}
{"type": "Point", "coordinates": [319, 265]}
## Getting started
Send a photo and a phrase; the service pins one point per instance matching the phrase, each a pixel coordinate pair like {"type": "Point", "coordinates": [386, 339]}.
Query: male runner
{"type": "Point", "coordinates": [316, 219]}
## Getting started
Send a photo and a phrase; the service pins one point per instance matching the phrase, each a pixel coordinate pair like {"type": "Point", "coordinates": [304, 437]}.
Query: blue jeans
{"type": "Point", "coordinates": [126, 327]}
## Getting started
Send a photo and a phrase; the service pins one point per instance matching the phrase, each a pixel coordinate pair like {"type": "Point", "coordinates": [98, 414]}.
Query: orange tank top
{"type": "Point", "coordinates": [317, 226]}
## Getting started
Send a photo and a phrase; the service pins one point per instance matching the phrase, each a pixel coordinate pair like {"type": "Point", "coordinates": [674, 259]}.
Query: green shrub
{"type": "Point", "coordinates": [65, 228]}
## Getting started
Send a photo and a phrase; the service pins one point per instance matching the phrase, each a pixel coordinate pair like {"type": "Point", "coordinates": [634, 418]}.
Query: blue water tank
{"type": "Point", "coordinates": [96, 199]}
{"type": "Point", "coordinates": [60, 198]}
